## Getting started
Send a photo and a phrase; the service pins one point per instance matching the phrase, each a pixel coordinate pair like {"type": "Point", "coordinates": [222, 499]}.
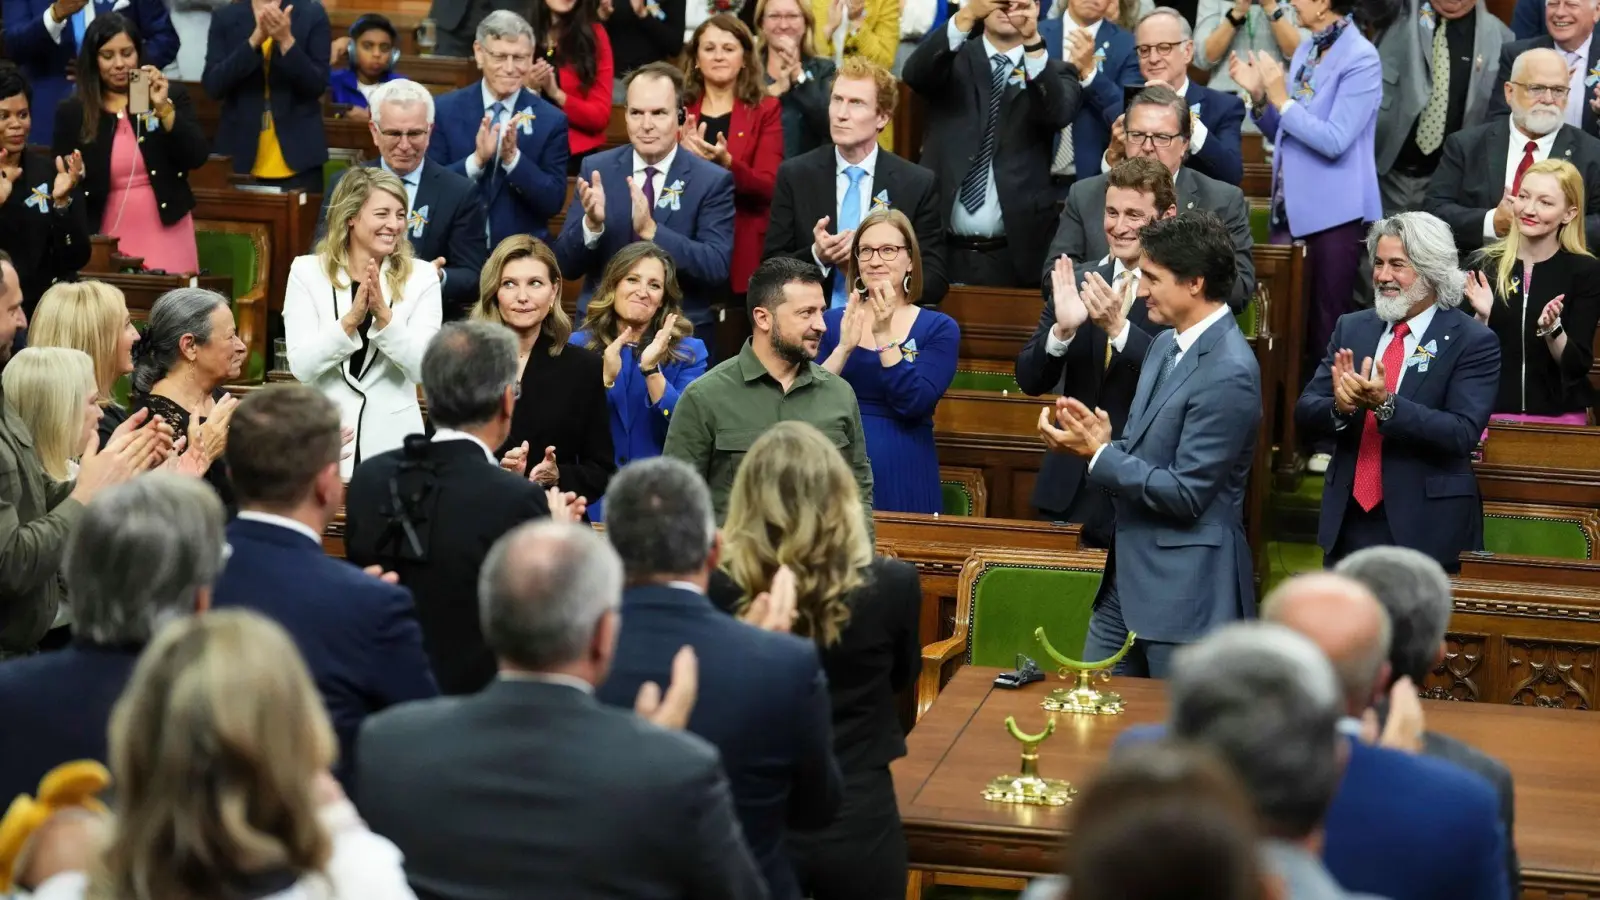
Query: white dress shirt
{"type": "Point", "coordinates": [1514, 147]}
{"type": "Point", "coordinates": [987, 222]}
{"type": "Point", "coordinates": [410, 181]}
{"type": "Point", "coordinates": [266, 518]}
{"type": "Point", "coordinates": [489, 100]}
{"type": "Point", "coordinates": [1197, 128]}
{"type": "Point", "coordinates": [57, 29]}
{"type": "Point", "coordinates": [571, 681]}
{"type": "Point", "coordinates": [1056, 347]}
{"type": "Point", "coordinates": [841, 183]}
{"type": "Point", "coordinates": [1185, 340]}
{"type": "Point", "coordinates": [592, 238]}
{"type": "Point", "coordinates": [1577, 72]}
{"type": "Point", "coordinates": [450, 434]}
{"type": "Point", "coordinates": [1419, 326]}
{"type": "Point", "coordinates": [1068, 26]}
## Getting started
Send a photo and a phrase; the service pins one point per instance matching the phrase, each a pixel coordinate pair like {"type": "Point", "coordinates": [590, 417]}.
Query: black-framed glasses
{"type": "Point", "coordinates": [887, 253]}
{"type": "Point", "coordinates": [1545, 91]}
{"type": "Point", "coordinates": [1162, 49]}
{"type": "Point", "coordinates": [1154, 138]}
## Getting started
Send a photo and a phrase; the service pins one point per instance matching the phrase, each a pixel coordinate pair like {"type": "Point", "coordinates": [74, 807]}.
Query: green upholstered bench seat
{"type": "Point", "coordinates": [993, 382]}
{"type": "Point", "coordinates": [1537, 535]}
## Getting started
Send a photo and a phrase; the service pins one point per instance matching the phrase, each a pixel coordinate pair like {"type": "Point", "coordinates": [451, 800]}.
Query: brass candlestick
{"type": "Point", "coordinates": [1028, 788]}
{"type": "Point", "coordinates": [1083, 698]}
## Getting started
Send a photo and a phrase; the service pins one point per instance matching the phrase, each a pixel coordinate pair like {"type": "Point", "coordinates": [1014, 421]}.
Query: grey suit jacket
{"type": "Point", "coordinates": [1303, 873]}
{"type": "Point", "coordinates": [1406, 51]}
{"type": "Point", "coordinates": [1081, 232]}
{"type": "Point", "coordinates": [1495, 772]}
{"type": "Point", "coordinates": [36, 517]}
{"type": "Point", "coordinates": [532, 788]}
{"type": "Point", "coordinates": [1177, 477]}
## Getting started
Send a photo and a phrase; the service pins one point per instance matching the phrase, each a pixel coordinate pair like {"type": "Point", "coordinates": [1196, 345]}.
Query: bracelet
{"type": "Point", "coordinates": [1236, 23]}
{"type": "Point", "coordinates": [1554, 331]}
{"type": "Point", "coordinates": [653, 370]}
{"type": "Point", "coordinates": [886, 347]}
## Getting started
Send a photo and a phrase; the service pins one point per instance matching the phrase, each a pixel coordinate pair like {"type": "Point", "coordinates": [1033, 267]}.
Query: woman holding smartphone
{"type": "Point", "coordinates": [139, 143]}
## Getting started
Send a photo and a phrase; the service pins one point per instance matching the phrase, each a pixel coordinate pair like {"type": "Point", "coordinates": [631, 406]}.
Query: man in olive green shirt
{"type": "Point", "coordinates": [772, 380]}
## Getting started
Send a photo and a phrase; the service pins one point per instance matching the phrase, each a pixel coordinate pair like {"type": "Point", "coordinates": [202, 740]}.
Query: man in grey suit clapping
{"type": "Point", "coordinates": [1179, 564]}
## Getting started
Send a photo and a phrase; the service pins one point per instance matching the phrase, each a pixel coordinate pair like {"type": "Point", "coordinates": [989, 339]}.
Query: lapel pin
{"type": "Point", "coordinates": [1191, 204]}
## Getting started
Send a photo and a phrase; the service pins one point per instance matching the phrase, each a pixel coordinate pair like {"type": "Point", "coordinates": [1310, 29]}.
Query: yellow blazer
{"type": "Point", "coordinates": [877, 40]}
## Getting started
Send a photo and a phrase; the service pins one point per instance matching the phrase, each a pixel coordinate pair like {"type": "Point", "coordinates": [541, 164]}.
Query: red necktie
{"type": "Point", "coordinates": [1369, 461]}
{"type": "Point", "coordinates": [1527, 160]}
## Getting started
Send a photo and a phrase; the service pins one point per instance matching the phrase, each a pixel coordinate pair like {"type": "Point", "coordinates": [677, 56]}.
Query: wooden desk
{"type": "Point", "coordinates": [961, 743]}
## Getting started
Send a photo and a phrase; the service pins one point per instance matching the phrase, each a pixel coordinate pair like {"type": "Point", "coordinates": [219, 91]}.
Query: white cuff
{"type": "Point", "coordinates": [1488, 227]}
{"type": "Point", "coordinates": [1121, 340]}
{"type": "Point", "coordinates": [1055, 346]}
{"type": "Point", "coordinates": [591, 238]}
{"type": "Point", "coordinates": [1105, 165]}
{"type": "Point", "coordinates": [1096, 457]}
{"type": "Point", "coordinates": [515, 158]}
{"type": "Point", "coordinates": [1034, 66]}
{"type": "Point", "coordinates": [1340, 422]}
{"type": "Point", "coordinates": [1197, 134]}
{"type": "Point", "coordinates": [826, 269]}
{"type": "Point", "coordinates": [956, 35]}
{"type": "Point", "coordinates": [1085, 81]}
{"type": "Point", "coordinates": [473, 169]}
{"type": "Point", "coordinates": [52, 27]}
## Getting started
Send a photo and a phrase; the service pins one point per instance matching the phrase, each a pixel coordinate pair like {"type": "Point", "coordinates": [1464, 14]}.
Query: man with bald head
{"type": "Point", "coordinates": [1480, 168]}
{"type": "Point", "coordinates": [1346, 623]}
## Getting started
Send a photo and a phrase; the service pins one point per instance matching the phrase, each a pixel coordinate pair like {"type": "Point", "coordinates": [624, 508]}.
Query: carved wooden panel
{"type": "Point", "coordinates": [1456, 676]}
{"type": "Point", "coordinates": [1550, 673]}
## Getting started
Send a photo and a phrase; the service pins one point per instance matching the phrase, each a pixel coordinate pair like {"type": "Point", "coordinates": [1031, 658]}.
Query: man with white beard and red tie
{"type": "Point", "coordinates": [1405, 390]}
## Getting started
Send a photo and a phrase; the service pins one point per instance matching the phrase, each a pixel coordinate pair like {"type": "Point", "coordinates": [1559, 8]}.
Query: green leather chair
{"type": "Point", "coordinates": [230, 253]}
{"type": "Point", "coordinates": [1260, 224]}
{"type": "Point", "coordinates": [333, 168]}
{"type": "Point", "coordinates": [1539, 531]}
{"type": "Point", "coordinates": [1248, 318]}
{"type": "Point", "coordinates": [955, 499]}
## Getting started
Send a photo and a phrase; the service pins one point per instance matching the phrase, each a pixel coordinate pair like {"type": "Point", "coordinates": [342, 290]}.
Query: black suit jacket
{"type": "Point", "coordinates": [1508, 56]}
{"type": "Point", "coordinates": [471, 503]}
{"type": "Point", "coordinates": [1472, 173]}
{"type": "Point", "coordinates": [46, 244]}
{"type": "Point", "coordinates": [957, 87]}
{"type": "Point", "coordinates": [1081, 233]}
{"type": "Point", "coordinates": [807, 190]}
{"type": "Point", "coordinates": [447, 222]}
{"type": "Point", "coordinates": [532, 788]}
{"type": "Point", "coordinates": [236, 76]}
{"type": "Point", "coordinates": [877, 656]}
{"type": "Point", "coordinates": [1082, 372]}
{"type": "Point", "coordinates": [765, 707]}
{"type": "Point", "coordinates": [1493, 771]}
{"type": "Point", "coordinates": [563, 405]}
{"type": "Point", "coordinates": [169, 156]}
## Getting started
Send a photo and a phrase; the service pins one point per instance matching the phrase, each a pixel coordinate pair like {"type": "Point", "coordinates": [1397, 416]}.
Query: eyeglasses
{"type": "Point", "coordinates": [887, 253]}
{"type": "Point", "coordinates": [414, 136]}
{"type": "Point", "coordinates": [519, 59]}
{"type": "Point", "coordinates": [1545, 91]}
{"type": "Point", "coordinates": [783, 17]}
{"type": "Point", "coordinates": [1154, 138]}
{"type": "Point", "coordinates": [1145, 51]}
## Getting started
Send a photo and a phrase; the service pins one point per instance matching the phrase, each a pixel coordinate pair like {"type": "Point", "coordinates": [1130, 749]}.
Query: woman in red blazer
{"type": "Point", "coordinates": [574, 70]}
{"type": "Point", "coordinates": [735, 124]}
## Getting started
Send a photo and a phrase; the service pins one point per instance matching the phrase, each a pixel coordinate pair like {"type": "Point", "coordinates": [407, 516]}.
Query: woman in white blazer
{"type": "Point", "coordinates": [359, 313]}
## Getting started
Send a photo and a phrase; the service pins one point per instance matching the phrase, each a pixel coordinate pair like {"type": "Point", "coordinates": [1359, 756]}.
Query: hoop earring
{"type": "Point", "coordinates": [905, 285]}
{"type": "Point", "coordinates": [861, 287]}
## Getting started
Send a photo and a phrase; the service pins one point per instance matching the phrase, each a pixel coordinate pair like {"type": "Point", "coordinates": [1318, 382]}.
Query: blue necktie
{"type": "Point", "coordinates": [495, 111]}
{"type": "Point", "coordinates": [80, 23]}
{"type": "Point", "coordinates": [1168, 362]}
{"type": "Point", "coordinates": [849, 218]}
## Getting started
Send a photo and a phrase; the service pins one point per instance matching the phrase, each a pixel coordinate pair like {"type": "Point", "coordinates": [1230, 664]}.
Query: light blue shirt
{"type": "Point", "coordinates": [987, 221]}
{"type": "Point", "coordinates": [410, 181]}
{"type": "Point", "coordinates": [504, 116]}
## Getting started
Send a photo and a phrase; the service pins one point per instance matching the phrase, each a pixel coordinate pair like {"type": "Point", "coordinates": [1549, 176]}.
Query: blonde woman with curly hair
{"type": "Point", "coordinates": [358, 314]}
{"type": "Point", "coordinates": [647, 348]}
{"type": "Point", "coordinates": [794, 506]}
{"type": "Point", "coordinates": [559, 426]}
{"type": "Point", "coordinates": [227, 695]}
{"type": "Point", "coordinates": [91, 316]}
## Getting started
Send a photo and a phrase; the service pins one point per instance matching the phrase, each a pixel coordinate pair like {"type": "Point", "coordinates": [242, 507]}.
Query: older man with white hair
{"type": "Point", "coordinates": [1481, 168]}
{"type": "Point", "coordinates": [446, 220]}
{"type": "Point", "coordinates": [1405, 392]}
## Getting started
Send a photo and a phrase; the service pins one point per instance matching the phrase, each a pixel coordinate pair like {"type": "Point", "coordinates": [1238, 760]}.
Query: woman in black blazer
{"type": "Point", "coordinates": [42, 224]}
{"type": "Point", "coordinates": [1539, 291]}
{"type": "Point", "coordinates": [797, 77]}
{"type": "Point", "coordinates": [136, 166]}
{"type": "Point", "coordinates": [561, 425]}
{"type": "Point", "coordinates": [795, 523]}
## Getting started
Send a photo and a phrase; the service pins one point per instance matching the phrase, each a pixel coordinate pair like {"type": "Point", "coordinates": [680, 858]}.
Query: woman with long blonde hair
{"type": "Point", "coordinates": [52, 390]}
{"type": "Point", "coordinates": [795, 508]}
{"type": "Point", "coordinates": [358, 313]}
{"type": "Point", "coordinates": [1538, 289]}
{"type": "Point", "coordinates": [91, 316]}
{"type": "Point", "coordinates": [647, 349]}
{"type": "Point", "coordinates": [220, 749]}
{"type": "Point", "coordinates": [560, 418]}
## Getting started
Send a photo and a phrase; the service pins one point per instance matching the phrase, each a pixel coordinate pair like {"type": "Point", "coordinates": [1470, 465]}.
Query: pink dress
{"type": "Point", "coordinates": [132, 214]}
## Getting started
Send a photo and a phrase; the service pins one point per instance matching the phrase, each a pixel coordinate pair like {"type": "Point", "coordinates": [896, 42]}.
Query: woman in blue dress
{"type": "Point", "coordinates": [899, 357]}
{"type": "Point", "coordinates": [636, 323]}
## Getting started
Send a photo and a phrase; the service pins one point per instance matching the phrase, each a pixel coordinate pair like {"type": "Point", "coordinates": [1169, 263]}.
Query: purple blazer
{"type": "Point", "coordinates": [1324, 142]}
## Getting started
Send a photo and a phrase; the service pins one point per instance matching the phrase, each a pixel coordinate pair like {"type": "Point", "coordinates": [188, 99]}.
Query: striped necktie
{"type": "Point", "coordinates": [975, 185]}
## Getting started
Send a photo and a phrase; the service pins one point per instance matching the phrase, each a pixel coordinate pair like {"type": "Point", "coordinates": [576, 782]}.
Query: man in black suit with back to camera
{"type": "Point", "coordinates": [532, 788]}
{"type": "Point", "coordinates": [429, 511]}
{"type": "Point", "coordinates": [996, 202]}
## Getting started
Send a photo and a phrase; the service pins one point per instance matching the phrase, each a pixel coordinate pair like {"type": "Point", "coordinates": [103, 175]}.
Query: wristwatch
{"type": "Point", "coordinates": [1237, 23]}
{"type": "Point", "coordinates": [1277, 14]}
{"type": "Point", "coordinates": [1385, 410]}
{"type": "Point", "coordinates": [653, 370]}
{"type": "Point", "coordinates": [1554, 331]}
{"type": "Point", "coordinates": [1034, 47]}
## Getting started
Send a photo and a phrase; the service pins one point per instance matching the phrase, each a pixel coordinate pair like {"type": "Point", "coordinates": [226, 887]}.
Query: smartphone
{"type": "Point", "coordinates": [1128, 93]}
{"type": "Point", "coordinates": [138, 93]}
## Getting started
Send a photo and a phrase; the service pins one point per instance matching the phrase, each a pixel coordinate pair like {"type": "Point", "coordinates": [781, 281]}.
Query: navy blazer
{"type": "Point", "coordinates": [358, 635]}
{"type": "Point", "coordinates": [1222, 157]}
{"type": "Point", "coordinates": [763, 703]}
{"type": "Point", "coordinates": [522, 201]}
{"type": "Point", "coordinates": [447, 222]}
{"type": "Point", "coordinates": [236, 75]}
{"type": "Point", "coordinates": [1116, 67]}
{"type": "Point", "coordinates": [57, 706]}
{"type": "Point", "coordinates": [1405, 826]}
{"type": "Point", "coordinates": [44, 61]}
{"type": "Point", "coordinates": [697, 231]}
{"type": "Point", "coordinates": [1430, 492]}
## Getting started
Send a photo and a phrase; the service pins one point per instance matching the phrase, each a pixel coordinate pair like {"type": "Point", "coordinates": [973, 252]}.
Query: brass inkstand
{"type": "Point", "coordinates": [1028, 788]}
{"type": "Point", "coordinates": [1082, 697]}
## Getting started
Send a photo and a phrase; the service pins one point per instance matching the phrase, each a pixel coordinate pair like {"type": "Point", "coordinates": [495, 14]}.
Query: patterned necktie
{"type": "Point", "coordinates": [1430, 128]}
{"type": "Point", "coordinates": [1522, 166]}
{"type": "Point", "coordinates": [1122, 287]}
{"type": "Point", "coordinates": [849, 218]}
{"type": "Point", "coordinates": [496, 109]}
{"type": "Point", "coordinates": [1369, 459]}
{"type": "Point", "coordinates": [649, 191]}
{"type": "Point", "coordinates": [1063, 163]}
{"type": "Point", "coordinates": [1168, 363]}
{"type": "Point", "coordinates": [975, 184]}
